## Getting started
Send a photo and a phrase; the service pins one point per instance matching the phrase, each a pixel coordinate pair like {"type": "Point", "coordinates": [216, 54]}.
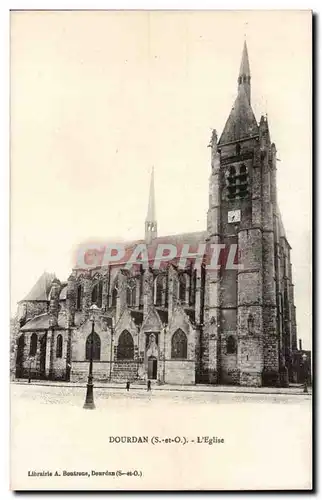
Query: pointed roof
{"type": "Point", "coordinates": [241, 122]}
{"type": "Point", "coordinates": [151, 217]}
{"type": "Point", "coordinates": [41, 289]}
{"type": "Point", "coordinates": [244, 65]}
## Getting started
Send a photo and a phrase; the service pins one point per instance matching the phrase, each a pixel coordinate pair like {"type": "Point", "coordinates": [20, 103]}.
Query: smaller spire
{"type": "Point", "coordinates": [150, 217]}
{"type": "Point", "coordinates": [150, 221]}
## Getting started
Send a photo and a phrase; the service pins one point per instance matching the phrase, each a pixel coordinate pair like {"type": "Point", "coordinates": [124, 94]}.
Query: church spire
{"type": "Point", "coordinates": [241, 122]}
{"type": "Point", "coordinates": [244, 73]}
{"type": "Point", "coordinates": [150, 221]}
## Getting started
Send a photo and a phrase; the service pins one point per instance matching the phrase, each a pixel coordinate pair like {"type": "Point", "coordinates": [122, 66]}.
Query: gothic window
{"type": "Point", "coordinates": [125, 349]}
{"type": "Point", "coordinates": [21, 343]}
{"type": "Point", "coordinates": [231, 345]}
{"type": "Point", "coordinates": [250, 323]}
{"type": "Point", "coordinates": [182, 288]}
{"type": "Point", "coordinates": [33, 344]}
{"type": "Point", "coordinates": [158, 290]}
{"type": "Point", "coordinates": [79, 296]}
{"type": "Point", "coordinates": [141, 290]}
{"type": "Point", "coordinates": [59, 346]}
{"type": "Point", "coordinates": [114, 294]}
{"type": "Point", "coordinates": [95, 339]}
{"type": "Point", "coordinates": [179, 345]}
{"type": "Point", "coordinates": [97, 294]}
{"type": "Point", "coordinates": [232, 172]}
{"type": "Point", "coordinates": [237, 149]}
{"type": "Point", "coordinates": [166, 290]}
{"type": "Point", "coordinates": [193, 288]}
{"type": "Point", "coordinates": [131, 292]}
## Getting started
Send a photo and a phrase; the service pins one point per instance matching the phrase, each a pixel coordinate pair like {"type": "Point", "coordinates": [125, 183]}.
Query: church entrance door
{"type": "Point", "coordinates": [152, 368]}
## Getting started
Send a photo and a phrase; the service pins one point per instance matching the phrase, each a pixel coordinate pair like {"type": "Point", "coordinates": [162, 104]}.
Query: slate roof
{"type": "Point", "coordinates": [192, 239]}
{"type": "Point", "coordinates": [41, 289]}
{"type": "Point", "coordinates": [241, 122]}
{"type": "Point", "coordinates": [41, 322]}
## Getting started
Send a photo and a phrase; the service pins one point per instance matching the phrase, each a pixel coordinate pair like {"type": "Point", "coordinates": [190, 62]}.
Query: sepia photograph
{"type": "Point", "coordinates": [160, 250]}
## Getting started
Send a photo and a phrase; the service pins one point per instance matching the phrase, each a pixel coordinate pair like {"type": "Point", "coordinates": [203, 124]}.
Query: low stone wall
{"type": "Point", "coordinates": [180, 372]}
{"type": "Point", "coordinates": [230, 377]}
{"type": "Point", "coordinates": [250, 379]}
{"type": "Point", "coordinates": [79, 371]}
{"type": "Point", "coordinates": [125, 370]}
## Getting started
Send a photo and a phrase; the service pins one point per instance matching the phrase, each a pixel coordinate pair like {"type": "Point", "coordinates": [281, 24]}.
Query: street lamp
{"type": "Point", "coordinates": [29, 372]}
{"type": "Point", "coordinates": [111, 345]}
{"type": "Point", "coordinates": [89, 401]}
{"type": "Point", "coordinates": [304, 357]}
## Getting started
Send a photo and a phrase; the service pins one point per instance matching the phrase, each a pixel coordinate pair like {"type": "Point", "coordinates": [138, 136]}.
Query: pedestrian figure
{"type": "Point", "coordinates": [128, 385]}
{"type": "Point", "coordinates": [149, 386]}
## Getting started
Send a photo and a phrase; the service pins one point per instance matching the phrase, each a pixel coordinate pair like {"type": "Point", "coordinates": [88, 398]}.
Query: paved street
{"type": "Point", "coordinates": [72, 395]}
{"type": "Point", "coordinates": [261, 432]}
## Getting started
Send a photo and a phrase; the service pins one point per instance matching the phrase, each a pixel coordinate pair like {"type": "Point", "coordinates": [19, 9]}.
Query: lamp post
{"type": "Point", "coordinates": [29, 372]}
{"type": "Point", "coordinates": [111, 345]}
{"type": "Point", "coordinates": [304, 357]}
{"type": "Point", "coordinates": [89, 401]}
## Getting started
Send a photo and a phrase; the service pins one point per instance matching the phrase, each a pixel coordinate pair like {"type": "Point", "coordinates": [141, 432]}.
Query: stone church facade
{"type": "Point", "coordinates": [182, 326]}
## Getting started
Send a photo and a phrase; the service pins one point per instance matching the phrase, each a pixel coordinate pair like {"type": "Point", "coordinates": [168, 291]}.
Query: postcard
{"type": "Point", "coordinates": [161, 182]}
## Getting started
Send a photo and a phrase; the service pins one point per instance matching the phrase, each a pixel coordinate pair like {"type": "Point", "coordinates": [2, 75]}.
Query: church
{"type": "Point", "coordinates": [174, 325]}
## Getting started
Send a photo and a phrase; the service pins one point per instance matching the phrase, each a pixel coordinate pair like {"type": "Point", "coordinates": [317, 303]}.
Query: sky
{"type": "Point", "coordinates": [99, 97]}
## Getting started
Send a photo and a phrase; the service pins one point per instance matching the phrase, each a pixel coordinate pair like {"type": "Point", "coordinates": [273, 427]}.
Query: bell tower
{"type": "Point", "coordinates": [241, 300]}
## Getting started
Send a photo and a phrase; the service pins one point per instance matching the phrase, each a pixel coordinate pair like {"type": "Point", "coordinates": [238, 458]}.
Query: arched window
{"type": "Point", "coordinates": [237, 148]}
{"type": "Point", "coordinates": [158, 290]}
{"type": "Point", "coordinates": [114, 294]}
{"type": "Point", "coordinates": [59, 346]}
{"type": "Point", "coordinates": [193, 288]}
{"type": "Point", "coordinates": [131, 292]}
{"type": "Point", "coordinates": [96, 347]}
{"type": "Point", "coordinates": [231, 345]}
{"type": "Point", "coordinates": [33, 344]}
{"type": "Point", "coordinates": [97, 294]}
{"type": "Point", "coordinates": [21, 343]}
{"type": "Point", "coordinates": [182, 288]}
{"type": "Point", "coordinates": [243, 170]}
{"type": "Point", "coordinates": [232, 171]}
{"type": "Point", "coordinates": [179, 345]}
{"type": "Point", "coordinates": [250, 323]}
{"type": "Point", "coordinates": [125, 349]}
{"type": "Point", "coordinates": [79, 296]}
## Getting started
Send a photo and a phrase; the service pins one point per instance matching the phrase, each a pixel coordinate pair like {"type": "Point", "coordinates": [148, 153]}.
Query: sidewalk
{"type": "Point", "coordinates": [294, 389]}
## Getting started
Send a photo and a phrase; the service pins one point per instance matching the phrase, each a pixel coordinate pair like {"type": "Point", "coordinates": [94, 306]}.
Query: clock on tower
{"type": "Point", "coordinates": [233, 216]}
